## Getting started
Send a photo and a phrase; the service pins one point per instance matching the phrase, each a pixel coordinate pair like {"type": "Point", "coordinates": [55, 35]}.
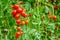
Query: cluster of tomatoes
{"type": "Point", "coordinates": [52, 17]}
{"type": "Point", "coordinates": [17, 13]}
{"type": "Point", "coordinates": [55, 8]}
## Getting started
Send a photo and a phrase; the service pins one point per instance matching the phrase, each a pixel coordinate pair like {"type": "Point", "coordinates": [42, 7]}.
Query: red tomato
{"type": "Point", "coordinates": [17, 16]}
{"type": "Point", "coordinates": [24, 14]}
{"type": "Point", "coordinates": [17, 35]}
{"type": "Point", "coordinates": [14, 13]}
{"type": "Point", "coordinates": [19, 10]}
{"type": "Point", "coordinates": [18, 21]}
{"type": "Point", "coordinates": [15, 6]}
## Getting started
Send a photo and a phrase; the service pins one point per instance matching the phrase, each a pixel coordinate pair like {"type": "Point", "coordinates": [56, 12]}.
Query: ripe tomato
{"type": "Point", "coordinates": [19, 28]}
{"type": "Point", "coordinates": [15, 6]}
{"type": "Point", "coordinates": [14, 12]}
{"type": "Point", "coordinates": [18, 21]}
{"type": "Point", "coordinates": [26, 22]}
{"type": "Point", "coordinates": [19, 10]}
{"type": "Point", "coordinates": [17, 35]}
{"type": "Point", "coordinates": [17, 16]}
{"type": "Point", "coordinates": [24, 14]}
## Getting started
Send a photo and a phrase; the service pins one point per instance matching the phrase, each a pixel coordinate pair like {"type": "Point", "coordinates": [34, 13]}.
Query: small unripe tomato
{"type": "Point", "coordinates": [15, 6]}
{"type": "Point", "coordinates": [51, 17]}
{"type": "Point", "coordinates": [19, 28]}
{"type": "Point", "coordinates": [26, 22]}
{"type": "Point", "coordinates": [22, 22]}
{"type": "Point", "coordinates": [54, 17]}
{"type": "Point", "coordinates": [21, 33]}
{"type": "Point", "coordinates": [49, 14]}
{"type": "Point", "coordinates": [21, 2]}
{"type": "Point", "coordinates": [18, 21]}
{"type": "Point", "coordinates": [26, 15]}
{"type": "Point", "coordinates": [30, 14]}
{"type": "Point", "coordinates": [17, 16]}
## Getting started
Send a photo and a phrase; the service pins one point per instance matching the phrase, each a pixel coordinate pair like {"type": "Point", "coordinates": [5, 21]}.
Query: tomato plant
{"type": "Point", "coordinates": [29, 19]}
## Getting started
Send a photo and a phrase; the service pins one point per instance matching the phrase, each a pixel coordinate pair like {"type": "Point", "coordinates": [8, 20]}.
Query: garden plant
{"type": "Point", "coordinates": [29, 19]}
